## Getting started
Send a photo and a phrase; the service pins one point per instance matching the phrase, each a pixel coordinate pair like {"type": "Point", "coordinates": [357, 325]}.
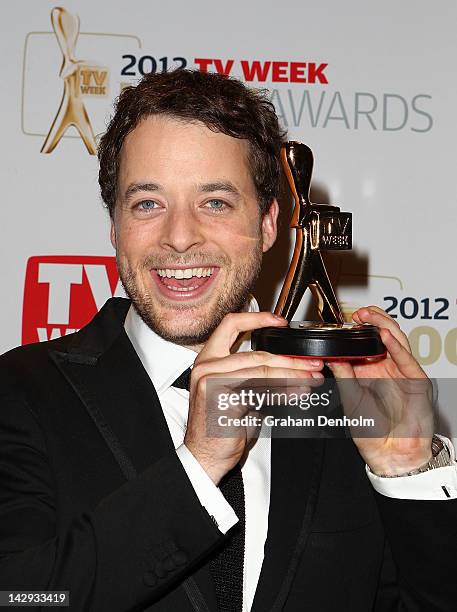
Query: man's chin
{"type": "Point", "coordinates": [190, 309]}
{"type": "Point", "coordinates": [185, 323]}
{"type": "Point", "coordinates": [187, 333]}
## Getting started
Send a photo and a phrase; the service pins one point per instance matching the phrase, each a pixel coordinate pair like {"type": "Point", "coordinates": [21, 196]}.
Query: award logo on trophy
{"type": "Point", "coordinates": [78, 77]}
{"type": "Point", "coordinates": [318, 227]}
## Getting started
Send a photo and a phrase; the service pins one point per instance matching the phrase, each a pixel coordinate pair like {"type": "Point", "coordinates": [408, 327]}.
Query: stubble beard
{"type": "Point", "coordinates": [232, 296]}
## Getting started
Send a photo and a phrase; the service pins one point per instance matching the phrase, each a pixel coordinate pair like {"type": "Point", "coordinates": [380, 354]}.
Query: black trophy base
{"type": "Point", "coordinates": [337, 341]}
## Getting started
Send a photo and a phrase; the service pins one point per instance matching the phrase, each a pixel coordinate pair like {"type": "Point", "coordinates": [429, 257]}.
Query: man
{"type": "Point", "coordinates": [110, 487]}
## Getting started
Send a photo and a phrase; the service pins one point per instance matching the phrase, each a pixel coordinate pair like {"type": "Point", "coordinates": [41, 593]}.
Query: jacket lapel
{"type": "Point", "coordinates": [295, 474]}
{"type": "Point", "coordinates": [105, 372]}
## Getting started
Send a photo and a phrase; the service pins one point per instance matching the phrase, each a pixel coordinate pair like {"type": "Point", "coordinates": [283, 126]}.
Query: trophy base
{"type": "Point", "coordinates": [328, 341]}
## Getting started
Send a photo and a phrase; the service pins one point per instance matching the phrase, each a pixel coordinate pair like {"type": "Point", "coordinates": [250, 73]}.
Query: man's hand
{"type": "Point", "coordinates": [402, 402]}
{"type": "Point", "coordinates": [219, 455]}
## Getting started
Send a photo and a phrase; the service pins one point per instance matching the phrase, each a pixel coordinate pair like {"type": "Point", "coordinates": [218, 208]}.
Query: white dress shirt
{"type": "Point", "coordinates": [164, 362]}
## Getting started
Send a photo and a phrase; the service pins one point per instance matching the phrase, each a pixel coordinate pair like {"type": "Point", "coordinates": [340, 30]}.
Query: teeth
{"type": "Point", "coordinates": [180, 288]}
{"type": "Point", "coordinates": [184, 273]}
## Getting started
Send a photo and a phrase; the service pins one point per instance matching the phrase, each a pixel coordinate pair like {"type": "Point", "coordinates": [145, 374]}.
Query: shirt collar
{"type": "Point", "coordinates": [164, 361]}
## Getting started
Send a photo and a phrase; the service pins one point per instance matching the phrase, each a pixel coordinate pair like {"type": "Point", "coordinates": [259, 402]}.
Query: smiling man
{"type": "Point", "coordinates": [187, 229]}
{"type": "Point", "coordinates": [110, 486]}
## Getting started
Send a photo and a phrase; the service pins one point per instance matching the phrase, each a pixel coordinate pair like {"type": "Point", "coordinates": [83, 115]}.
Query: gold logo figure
{"type": "Point", "coordinates": [318, 227]}
{"type": "Point", "coordinates": [77, 76]}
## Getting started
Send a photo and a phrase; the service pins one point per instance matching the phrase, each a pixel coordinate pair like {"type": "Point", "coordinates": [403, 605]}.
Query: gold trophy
{"type": "Point", "coordinates": [72, 111]}
{"type": "Point", "coordinates": [318, 227]}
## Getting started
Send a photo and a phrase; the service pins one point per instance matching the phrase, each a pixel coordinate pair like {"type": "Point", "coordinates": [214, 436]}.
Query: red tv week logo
{"type": "Point", "coordinates": [272, 71]}
{"type": "Point", "coordinates": [63, 293]}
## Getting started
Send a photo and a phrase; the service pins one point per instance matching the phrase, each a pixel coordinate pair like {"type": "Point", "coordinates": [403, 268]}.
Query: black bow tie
{"type": "Point", "coordinates": [183, 380]}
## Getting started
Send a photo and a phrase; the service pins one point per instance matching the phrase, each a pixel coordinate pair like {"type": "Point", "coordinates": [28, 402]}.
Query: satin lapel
{"type": "Point", "coordinates": [295, 475]}
{"type": "Point", "coordinates": [105, 372]}
{"type": "Point", "coordinates": [120, 398]}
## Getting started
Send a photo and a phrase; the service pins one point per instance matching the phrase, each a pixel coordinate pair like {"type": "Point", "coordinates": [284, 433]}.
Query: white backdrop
{"type": "Point", "coordinates": [372, 90]}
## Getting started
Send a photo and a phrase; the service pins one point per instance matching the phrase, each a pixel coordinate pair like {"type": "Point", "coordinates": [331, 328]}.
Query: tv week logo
{"type": "Point", "coordinates": [63, 293]}
{"type": "Point", "coordinates": [272, 71]}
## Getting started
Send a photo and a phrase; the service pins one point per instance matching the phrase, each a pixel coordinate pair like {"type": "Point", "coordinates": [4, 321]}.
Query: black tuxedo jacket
{"type": "Point", "coordinates": [94, 500]}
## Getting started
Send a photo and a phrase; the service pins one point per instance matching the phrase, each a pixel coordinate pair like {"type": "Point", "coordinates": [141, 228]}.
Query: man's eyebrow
{"type": "Point", "coordinates": [219, 186]}
{"type": "Point", "coordinates": [135, 187]}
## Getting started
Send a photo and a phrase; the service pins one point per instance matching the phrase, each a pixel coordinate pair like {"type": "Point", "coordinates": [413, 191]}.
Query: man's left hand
{"type": "Point", "coordinates": [394, 389]}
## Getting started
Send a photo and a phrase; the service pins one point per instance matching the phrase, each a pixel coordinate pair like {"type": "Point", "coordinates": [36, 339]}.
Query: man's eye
{"type": "Point", "coordinates": [216, 205]}
{"type": "Point", "coordinates": [147, 205]}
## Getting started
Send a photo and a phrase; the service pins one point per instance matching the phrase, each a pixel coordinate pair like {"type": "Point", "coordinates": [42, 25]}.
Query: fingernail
{"type": "Point", "coordinates": [315, 362]}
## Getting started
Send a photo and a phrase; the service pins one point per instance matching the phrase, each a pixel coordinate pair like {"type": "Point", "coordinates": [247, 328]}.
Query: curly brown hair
{"type": "Point", "coordinates": [221, 103]}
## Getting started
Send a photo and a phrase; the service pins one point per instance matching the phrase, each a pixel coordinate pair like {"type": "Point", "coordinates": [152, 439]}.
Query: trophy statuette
{"type": "Point", "coordinates": [317, 227]}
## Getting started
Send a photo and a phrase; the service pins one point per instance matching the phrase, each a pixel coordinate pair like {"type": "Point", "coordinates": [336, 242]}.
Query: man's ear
{"type": "Point", "coordinates": [270, 226]}
{"type": "Point", "coordinates": [112, 235]}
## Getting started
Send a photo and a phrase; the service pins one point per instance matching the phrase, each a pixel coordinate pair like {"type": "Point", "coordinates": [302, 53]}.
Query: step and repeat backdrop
{"type": "Point", "coordinates": [372, 89]}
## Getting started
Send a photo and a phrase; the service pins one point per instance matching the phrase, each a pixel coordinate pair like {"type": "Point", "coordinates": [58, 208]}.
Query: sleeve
{"type": "Point", "coordinates": [124, 554]}
{"type": "Point", "coordinates": [422, 538]}
{"type": "Point", "coordinates": [419, 514]}
{"type": "Point", "coordinates": [437, 484]}
{"type": "Point", "coordinates": [207, 492]}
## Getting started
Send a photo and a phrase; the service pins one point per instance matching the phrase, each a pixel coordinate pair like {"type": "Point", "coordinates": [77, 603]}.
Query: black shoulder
{"type": "Point", "coordinates": [34, 362]}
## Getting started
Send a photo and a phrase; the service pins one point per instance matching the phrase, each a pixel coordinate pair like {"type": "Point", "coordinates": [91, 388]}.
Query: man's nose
{"type": "Point", "coordinates": [181, 230]}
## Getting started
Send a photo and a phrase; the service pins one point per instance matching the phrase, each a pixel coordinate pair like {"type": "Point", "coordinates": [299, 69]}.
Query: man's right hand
{"type": "Point", "coordinates": [219, 455]}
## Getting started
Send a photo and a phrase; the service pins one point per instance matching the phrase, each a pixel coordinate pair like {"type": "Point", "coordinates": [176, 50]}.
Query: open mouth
{"type": "Point", "coordinates": [181, 283]}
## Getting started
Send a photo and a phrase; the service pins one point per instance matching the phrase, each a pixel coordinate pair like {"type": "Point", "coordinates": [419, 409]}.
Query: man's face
{"type": "Point", "coordinates": [187, 228]}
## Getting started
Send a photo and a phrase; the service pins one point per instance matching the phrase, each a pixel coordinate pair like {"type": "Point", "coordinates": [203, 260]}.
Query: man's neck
{"type": "Point", "coordinates": [195, 347]}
